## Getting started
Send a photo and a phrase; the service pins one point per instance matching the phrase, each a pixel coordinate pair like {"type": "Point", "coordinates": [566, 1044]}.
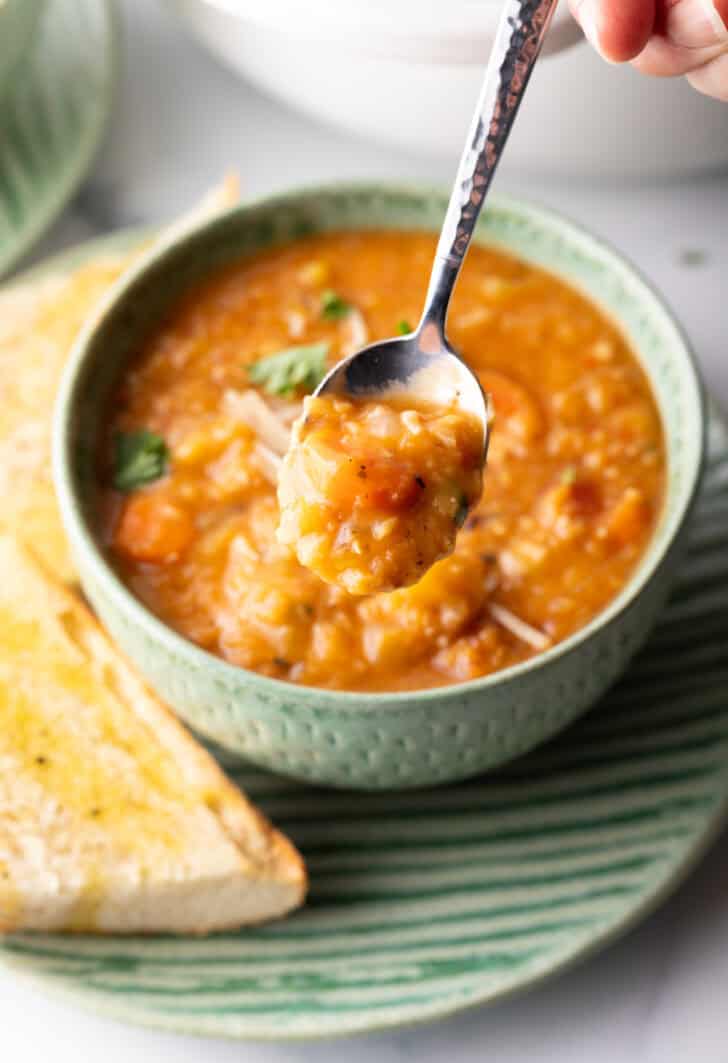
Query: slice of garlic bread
{"type": "Point", "coordinates": [112, 818]}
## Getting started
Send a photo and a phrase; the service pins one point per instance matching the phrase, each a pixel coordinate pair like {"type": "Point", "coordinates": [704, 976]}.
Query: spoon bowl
{"type": "Point", "coordinates": [407, 366]}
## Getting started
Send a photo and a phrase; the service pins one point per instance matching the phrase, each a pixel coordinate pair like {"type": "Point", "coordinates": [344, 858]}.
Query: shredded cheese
{"type": "Point", "coordinates": [268, 462]}
{"type": "Point", "coordinates": [250, 408]}
{"type": "Point", "coordinates": [518, 627]}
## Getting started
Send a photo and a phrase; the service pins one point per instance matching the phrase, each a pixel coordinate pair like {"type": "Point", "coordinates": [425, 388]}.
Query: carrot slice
{"type": "Point", "coordinates": [153, 529]}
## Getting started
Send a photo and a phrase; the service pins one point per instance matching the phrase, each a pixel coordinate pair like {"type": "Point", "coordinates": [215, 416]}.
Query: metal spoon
{"type": "Point", "coordinates": [422, 363]}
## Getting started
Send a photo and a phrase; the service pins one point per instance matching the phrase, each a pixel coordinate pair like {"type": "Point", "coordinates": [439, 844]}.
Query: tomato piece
{"type": "Point", "coordinates": [392, 487]}
{"type": "Point", "coordinates": [153, 529]}
{"type": "Point", "coordinates": [574, 499]}
{"type": "Point", "coordinates": [585, 498]}
{"type": "Point", "coordinates": [381, 484]}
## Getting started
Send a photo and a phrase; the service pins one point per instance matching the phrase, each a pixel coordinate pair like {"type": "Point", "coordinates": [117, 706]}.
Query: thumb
{"type": "Point", "coordinates": [690, 34]}
{"type": "Point", "coordinates": [694, 23]}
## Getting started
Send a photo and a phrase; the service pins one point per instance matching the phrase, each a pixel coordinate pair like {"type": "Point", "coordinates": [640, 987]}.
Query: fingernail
{"type": "Point", "coordinates": [714, 19]}
{"type": "Point", "coordinates": [696, 24]}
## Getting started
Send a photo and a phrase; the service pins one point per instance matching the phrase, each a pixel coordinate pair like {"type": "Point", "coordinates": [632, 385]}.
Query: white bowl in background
{"type": "Point", "coordinates": [407, 73]}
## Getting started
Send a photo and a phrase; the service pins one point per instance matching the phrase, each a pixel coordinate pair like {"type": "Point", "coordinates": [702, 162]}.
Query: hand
{"type": "Point", "coordinates": [665, 38]}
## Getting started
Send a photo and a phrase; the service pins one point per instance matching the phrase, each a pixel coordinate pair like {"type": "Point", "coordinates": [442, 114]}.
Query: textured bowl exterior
{"type": "Point", "coordinates": [415, 743]}
{"type": "Point", "coordinates": [399, 740]}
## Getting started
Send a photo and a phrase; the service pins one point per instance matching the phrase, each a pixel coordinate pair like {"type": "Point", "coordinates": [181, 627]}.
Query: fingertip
{"type": "Point", "coordinates": [618, 29]}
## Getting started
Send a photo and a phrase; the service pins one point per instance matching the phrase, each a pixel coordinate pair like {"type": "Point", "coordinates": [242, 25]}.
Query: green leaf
{"type": "Point", "coordinates": [333, 307]}
{"type": "Point", "coordinates": [403, 327]}
{"type": "Point", "coordinates": [139, 458]}
{"type": "Point", "coordinates": [291, 370]}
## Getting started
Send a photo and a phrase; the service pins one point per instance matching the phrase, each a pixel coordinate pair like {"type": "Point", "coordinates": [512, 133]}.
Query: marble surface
{"type": "Point", "coordinates": [659, 995]}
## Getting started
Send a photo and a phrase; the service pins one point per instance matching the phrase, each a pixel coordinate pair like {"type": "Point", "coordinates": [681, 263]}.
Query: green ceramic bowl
{"type": "Point", "coordinates": [18, 20]}
{"type": "Point", "coordinates": [378, 740]}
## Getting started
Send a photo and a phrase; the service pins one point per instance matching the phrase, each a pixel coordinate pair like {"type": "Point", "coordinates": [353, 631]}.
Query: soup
{"type": "Point", "coordinates": [572, 488]}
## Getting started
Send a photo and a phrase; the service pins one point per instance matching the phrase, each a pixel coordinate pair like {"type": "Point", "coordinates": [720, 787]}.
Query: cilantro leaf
{"type": "Point", "coordinates": [333, 307]}
{"type": "Point", "coordinates": [291, 370]}
{"type": "Point", "coordinates": [139, 458]}
{"type": "Point", "coordinates": [403, 327]}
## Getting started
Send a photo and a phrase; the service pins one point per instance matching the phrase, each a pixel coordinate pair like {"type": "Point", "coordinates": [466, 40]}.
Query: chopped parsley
{"type": "Point", "coordinates": [333, 307]}
{"type": "Point", "coordinates": [291, 370]}
{"type": "Point", "coordinates": [404, 327]}
{"type": "Point", "coordinates": [139, 458]}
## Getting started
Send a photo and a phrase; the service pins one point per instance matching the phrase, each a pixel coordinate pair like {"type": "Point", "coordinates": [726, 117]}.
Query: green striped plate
{"type": "Point", "coordinates": [52, 119]}
{"type": "Point", "coordinates": [426, 902]}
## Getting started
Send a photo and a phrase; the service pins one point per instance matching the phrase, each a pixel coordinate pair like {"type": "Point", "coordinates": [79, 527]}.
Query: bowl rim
{"type": "Point", "coordinates": [231, 676]}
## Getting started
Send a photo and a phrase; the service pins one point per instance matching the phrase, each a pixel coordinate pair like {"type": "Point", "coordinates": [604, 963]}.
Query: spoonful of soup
{"type": "Point", "coordinates": [388, 454]}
